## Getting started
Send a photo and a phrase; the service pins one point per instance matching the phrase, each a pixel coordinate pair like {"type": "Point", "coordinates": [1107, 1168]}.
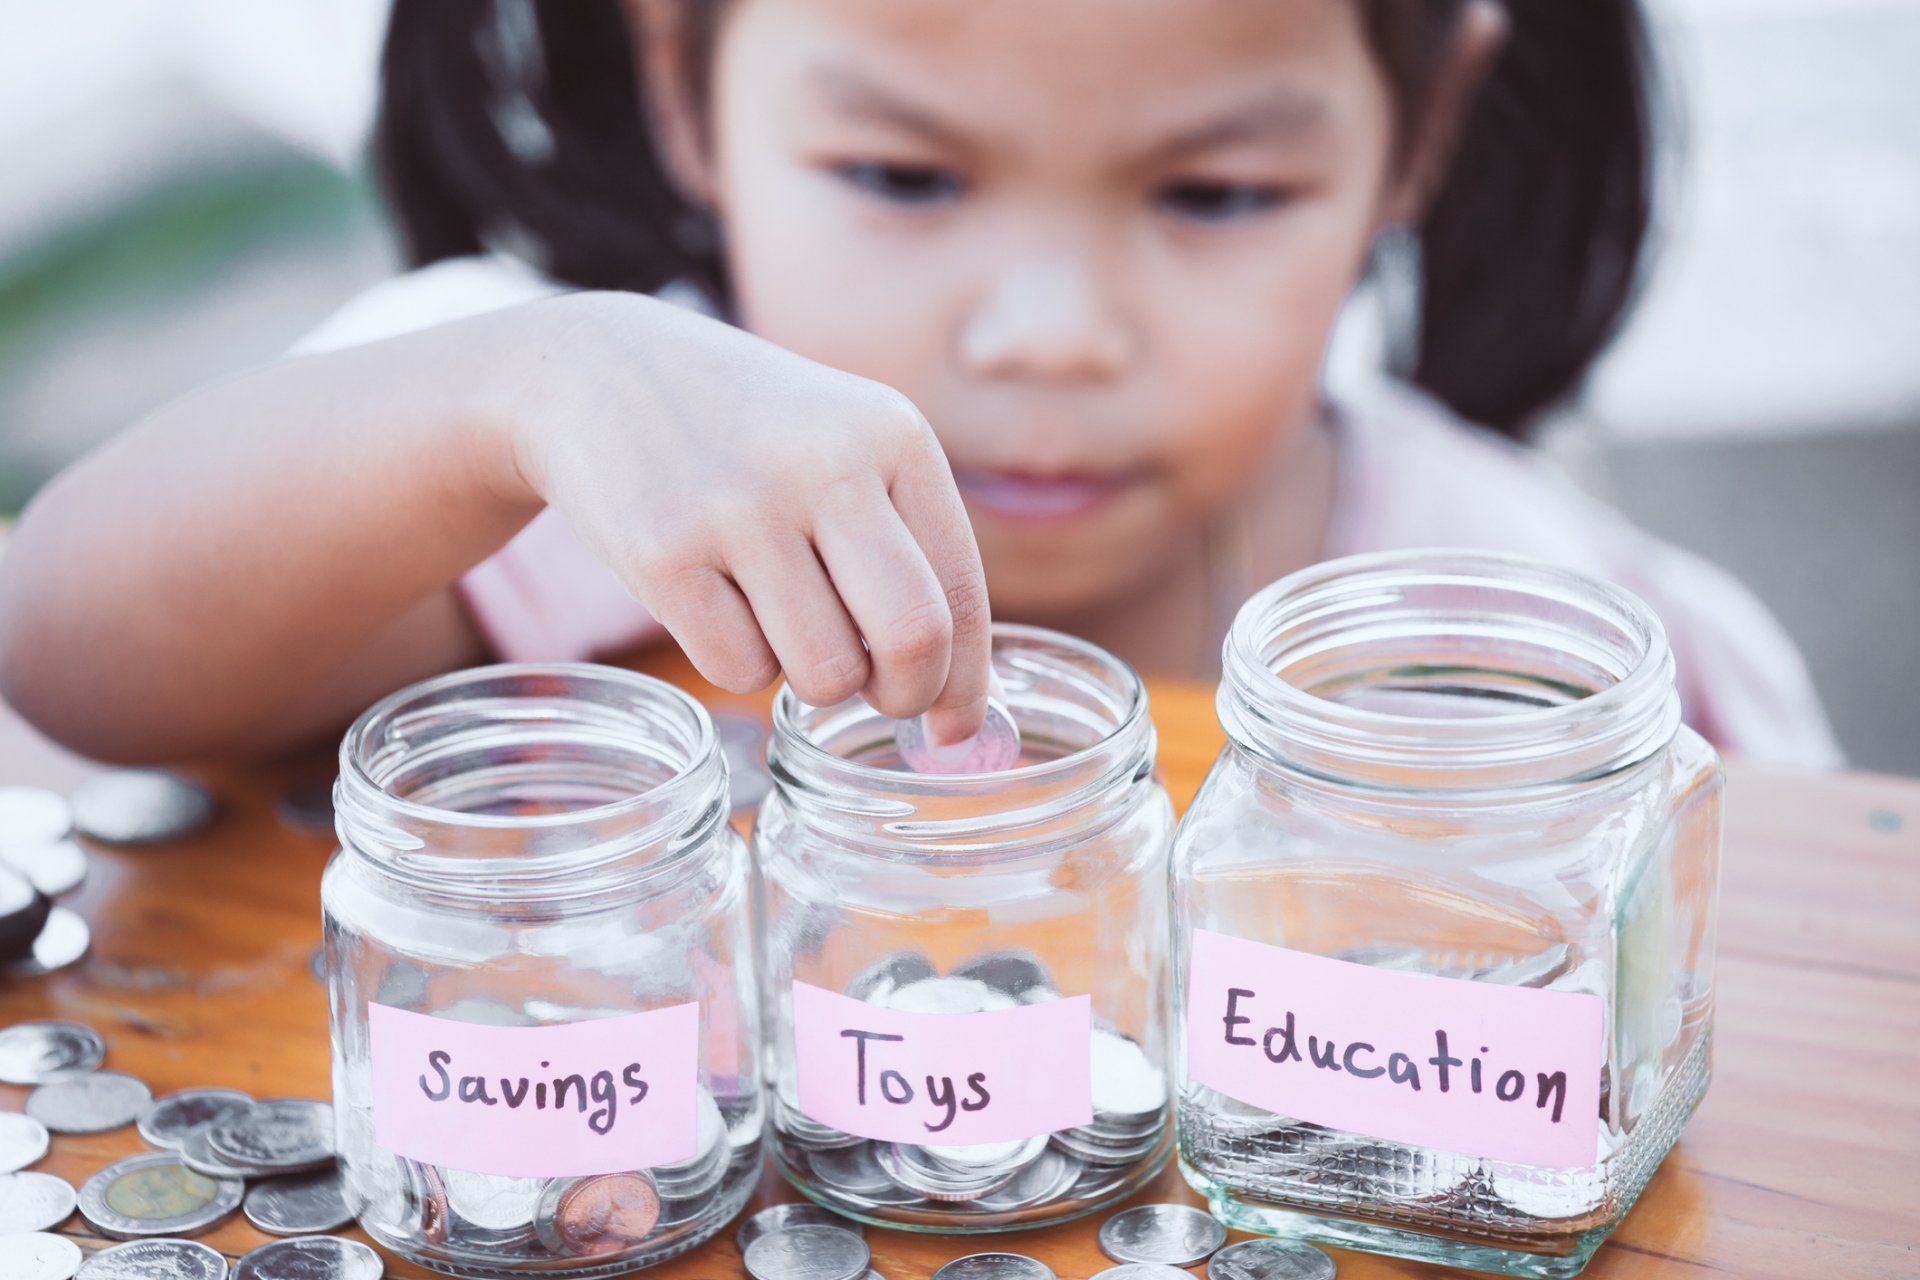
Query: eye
{"type": "Point", "coordinates": [911, 184]}
{"type": "Point", "coordinates": [1205, 201]}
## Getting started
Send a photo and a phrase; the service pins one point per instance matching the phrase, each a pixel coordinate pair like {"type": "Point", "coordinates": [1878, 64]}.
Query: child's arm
{"type": "Point", "coordinates": [254, 563]}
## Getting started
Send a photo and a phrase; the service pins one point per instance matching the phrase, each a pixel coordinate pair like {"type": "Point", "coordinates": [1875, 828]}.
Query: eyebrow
{"type": "Point", "coordinates": [1281, 113]}
{"type": "Point", "coordinates": [857, 95]}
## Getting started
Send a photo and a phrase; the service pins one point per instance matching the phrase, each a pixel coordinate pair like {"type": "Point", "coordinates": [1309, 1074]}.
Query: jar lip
{"type": "Point", "coordinates": [354, 774]}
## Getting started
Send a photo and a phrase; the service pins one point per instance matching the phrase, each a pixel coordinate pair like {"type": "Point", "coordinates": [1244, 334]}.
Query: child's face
{"type": "Point", "coordinates": [1100, 243]}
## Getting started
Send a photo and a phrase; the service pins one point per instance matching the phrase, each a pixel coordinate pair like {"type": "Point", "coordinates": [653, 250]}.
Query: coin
{"type": "Point", "coordinates": [198, 1156]}
{"type": "Point", "coordinates": [35, 1052]}
{"type": "Point", "coordinates": [1271, 1260]}
{"type": "Point", "coordinates": [35, 1201]}
{"type": "Point", "coordinates": [134, 806]}
{"type": "Point", "coordinates": [808, 1251]}
{"type": "Point", "coordinates": [53, 868]}
{"type": "Point", "coordinates": [171, 1120]}
{"type": "Point", "coordinates": [61, 942]}
{"type": "Point", "coordinates": [307, 806]}
{"type": "Point", "coordinates": [851, 1170]}
{"type": "Point", "coordinates": [491, 1201]}
{"type": "Point", "coordinates": [995, 748]}
{"type": "Point", "coordinates": [1142, 1271]}
{"type": "Point", "coordinates": [284, 1135]}
{"type": "Point", "coordinates": [310, 1258]}
{"type": "Point", "coordinates": [32, 816]}
{"type": "Point", "coordinates": [23, 1140]}
{"type": "Point", "coordinates": [91, 1103]}
{"type": "Point", "coordinates": [153, 1194]}
{"type": "Point", "coordinates": [1014, 972]}
{"type": "Point", "coordinates": [995, 1266]}
{"type": "Point", "coordinates": [146, 1259]}
{"type": "Point", "coordinates": [1173, 1233]}
{"type": "Point", "coordinates": [793, 1214]}
{"type": "Point", "coordinates": [38, 1255]}
{"type": "Point", "coordinates": [741, 738]}
{"type": "Point", "coordinates": [601, 1213]}
{"type": "Point", "coordinates": [299, 1204]}
{"type": "Point", "coordinates": [23, 913]}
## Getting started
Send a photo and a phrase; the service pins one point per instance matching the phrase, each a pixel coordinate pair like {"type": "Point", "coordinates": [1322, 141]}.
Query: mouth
{"type": "Point", "coordinates": [1021, 495]}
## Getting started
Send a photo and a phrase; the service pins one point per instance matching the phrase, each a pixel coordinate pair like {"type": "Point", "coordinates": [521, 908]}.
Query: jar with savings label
{"type": "Point", "coordinates": [965, 975]}
{"type": "Point", "coordinates": [1444, 913]}
{"type": "Point", "coordinates": [545, 1048]}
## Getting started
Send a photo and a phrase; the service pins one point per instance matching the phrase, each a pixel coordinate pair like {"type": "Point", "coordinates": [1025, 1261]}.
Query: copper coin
{"type": "Point", "coordinates": [603, 1213]}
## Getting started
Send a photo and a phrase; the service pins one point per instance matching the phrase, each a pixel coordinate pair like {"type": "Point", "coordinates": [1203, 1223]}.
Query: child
{"type": "Point", "coordinates": [1099, 244]}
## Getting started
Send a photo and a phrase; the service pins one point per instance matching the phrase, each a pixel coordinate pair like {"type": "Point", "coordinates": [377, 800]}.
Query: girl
{"type": "Point", "coordinates": [792, 327]}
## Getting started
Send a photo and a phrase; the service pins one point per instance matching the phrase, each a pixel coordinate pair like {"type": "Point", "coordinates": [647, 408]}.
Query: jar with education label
{"type": "Point", "coordinates": [1444, 913]}
{"type": "Point", "coordinates": [965, 972]}
{"type": "Point", "coordinates": [545, 1039]}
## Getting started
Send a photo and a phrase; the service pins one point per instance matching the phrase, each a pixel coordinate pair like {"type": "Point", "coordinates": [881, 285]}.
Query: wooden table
{"type": "Point", "coordinates": [1804, 1160]}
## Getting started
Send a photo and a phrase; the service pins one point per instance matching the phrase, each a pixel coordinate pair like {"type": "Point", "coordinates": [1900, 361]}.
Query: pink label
{"type": "Point", "coordinates": [601, 1096]}
{"type": "Point", "coordinates": [942, 1079]}
{"type": "Point", "coordinates": [1511, 1073]}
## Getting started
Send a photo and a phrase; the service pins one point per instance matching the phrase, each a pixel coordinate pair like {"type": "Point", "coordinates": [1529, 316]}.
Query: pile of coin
{"type": "Point", "coordinates": [985, 1183]}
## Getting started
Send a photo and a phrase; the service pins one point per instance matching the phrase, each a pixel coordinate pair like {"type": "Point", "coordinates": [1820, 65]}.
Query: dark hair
{"type": "Point", "coordinates": [518, 124]}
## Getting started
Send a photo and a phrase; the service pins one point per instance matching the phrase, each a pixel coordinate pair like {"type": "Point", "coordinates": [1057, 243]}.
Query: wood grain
{"type": "Point", "coordinates": [1801, 1162]}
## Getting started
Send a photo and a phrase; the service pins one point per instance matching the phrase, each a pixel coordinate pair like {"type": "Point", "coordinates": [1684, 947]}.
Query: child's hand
{"type": "Point", "coordinates": [772, 513]}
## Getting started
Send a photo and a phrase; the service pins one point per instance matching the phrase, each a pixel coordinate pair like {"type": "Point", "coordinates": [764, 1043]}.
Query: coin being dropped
{"type": "Point", "coordinates": [602, 1213]}
{"type": "Point", "coordinates": [146, 1259]}
{"type": "Point", "coordinates": [90, 1103]}
{"type": "Point", "coordinates": [32, 816]}
{"type": "Point", "coordinates": [310, 1258]}
{"type": "Point", "coordinates": [63, 940]}
{"type": "Point", "coordinates": [299, 1204]}
{"type": "Point", "coordinates": [1172, 1233]}
{"type": "Point", "coordinates": [740, 742]}
{"type": "Point", "coordinates": [995, 1266]}
{"type": "Point", "coordinates": [808, 1252]}
{"type": "Point", "coordinates": [793, 1214]}
{"type": "Point", "coordinates": [1271, 1260]}
{"type": "Point", "coordinates": [38, 1255]}
{"type": "Point", "coordinates": [23, 1140]}
{"type": "Point", "coordinates": [35, 1201]}
{"type": "Point", "coordinates": [53, 868]}
{"type": "Point", "coordinates": [171, 1120]}
{"type": "Point", "coordinates": [153, 1194]}
{"type": "Point", "coordinates": [133, 806]}
{"type": "Point", "coordinates": [994, 749]}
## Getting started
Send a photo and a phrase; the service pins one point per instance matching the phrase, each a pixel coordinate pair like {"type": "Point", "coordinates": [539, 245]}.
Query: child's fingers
{"type": "Point", "coordinates": [887, 585]}
{"type": "Point", "coordinates": [710, 620]}
{"type": "Point", "coordinates": [929, 505]}
{"type": "Point", "coordinates": [801, 616]}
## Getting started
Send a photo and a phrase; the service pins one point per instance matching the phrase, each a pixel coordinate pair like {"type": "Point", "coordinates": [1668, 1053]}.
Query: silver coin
{"type": "Point", "coordinates": [307, 806]}
{"type": "Point", "coordinates": [63, 940]}
{"type": "Point", "coordinates": [995, 1266]}
{"type": "Point", "coordinates": [32, 816]}
{"type": "Point", "coordinates": [171, 1120]}
{"type": "Point", "coordinates": [741, 742]}
{"type": "Point", "coordinates": [1271, 1260]}
{"type": "Point", "coordinates": [1014, 972]}
{"type": "Point", "coordinates": [35, 1052]}
{"type": "Point", "coordinates": [1172, 1233]}
{"type": "Point", "coordinates": [808, 1252]}
{"type": "Point", "coordinates": [491, 1201]}
{"type": "Point", "coordinates": [38, 1255]}
{"type": "Point", "coordinates": [148, 1259]}
{"type": "Point", "coordinates": [794, 1214]}
{"type": "Point", "coordinates": [153, 1194]}
{"type": "Point", "coordinates": [310, 1258]}
{"type": "Point", "coordinates": [23, 1140]}
{"type": "Point", "coordinates": [134, 806]}
{"type": "Point", "coordinates": [286, 1135]}
{"type": "Point", "coordinates": [198, 1156]}
{"type": "Point", "coordinates": [994, 749]}
{"type": "Point", "coordinates": [53, 868]}
{"type": "Point", "coordinates": [90, 1103]}
{"type": "Point", "coordinates": [888, 974]}
{"type": "Point", "coordinates": [850, 1170]}
{"type": "Point", "coordinates": [1143, 1271]}
{"type": "Point", "coordinates": [35, 1201]}
{"type": "Point", "coordinates": [299, 1204]}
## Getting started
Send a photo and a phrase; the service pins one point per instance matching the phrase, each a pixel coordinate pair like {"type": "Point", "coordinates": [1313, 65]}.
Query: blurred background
{"type": "Point", "coordinates": [186, 196]}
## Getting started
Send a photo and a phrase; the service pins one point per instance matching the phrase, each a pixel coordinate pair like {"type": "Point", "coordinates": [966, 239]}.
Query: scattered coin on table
{"type": "Point", "coordinates": [153, 1194]}
{"type": "Point", "coordinates": [1177, 1234]}
{"type": "Point", "coordinates": [1143, 1271]}
{"type": "Point", "coordinates": [147, 1259]}
{"type": "Point", "coordinates": [171, 1120]}
{"type": "Point", "coordinates": [35, 1201]}
{"type": "Point", "coordinates": [38, 1255]}
{"type": "Point", "coordinates": [198, 1156]}
{"type": "Point", "coordinates": [23, 913]}
{"type": "Point", "coordinates": [36, 1052]}
{"type": "Point", "coordinates": [91, 1103]}
{"type": "Point", "coordinates": [54, 868]}
{"type": "Point", "coordinates": [23, 1140]}
{"type": "Point", "coordinates": [62, 941]}
{"type": "Point", "coordinates": [138, 806]}
{"type": "Point", "coordinates": [808, 1251]}
{"type": "Point", "coordinates": [32, 816]}
{"type": "Point", "coordinates": [793, 1214]}
{"type": "Point", "coordinates": [310, 1258]}
{"type": "Point", "coordinates": [995, 1266]}
{"type": "Point", "coordinates": [299, 1204]}
{"type": "Point", "coordinates": [1271, 1260]}
{"type": "Point", "coordinates": [279, 1135]}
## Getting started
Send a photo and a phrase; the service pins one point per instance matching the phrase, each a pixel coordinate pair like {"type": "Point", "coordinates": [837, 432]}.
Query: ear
{"type": "Point", "coordinates": [1478, 37]}
{"type": "Point", "coordinates": [670, 85]}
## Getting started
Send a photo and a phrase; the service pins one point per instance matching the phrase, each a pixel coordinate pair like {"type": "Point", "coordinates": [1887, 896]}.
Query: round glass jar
{"type": "Point", "coordinates": [966, 975]}
{"type": "Point", "coordinates": [1444, 913]}
{"type": "Point", "coordinates": [545, 1039]}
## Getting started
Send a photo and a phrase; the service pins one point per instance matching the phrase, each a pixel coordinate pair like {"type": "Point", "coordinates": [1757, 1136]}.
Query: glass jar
{"type": "Point", "coordinates": [1444, 913]}
{"type": "Point", "coordinates": [545, 1048]}
{"type": "Point", "coordinates": [966, 975]}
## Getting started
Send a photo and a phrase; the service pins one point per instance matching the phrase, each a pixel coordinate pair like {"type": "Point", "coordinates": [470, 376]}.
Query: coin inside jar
{"type": "Point", "coordinates": [601, 1213]}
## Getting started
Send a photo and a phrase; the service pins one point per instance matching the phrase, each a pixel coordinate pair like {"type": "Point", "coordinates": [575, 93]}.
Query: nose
{"type": "Point", "coordinates": [1046, 318]}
